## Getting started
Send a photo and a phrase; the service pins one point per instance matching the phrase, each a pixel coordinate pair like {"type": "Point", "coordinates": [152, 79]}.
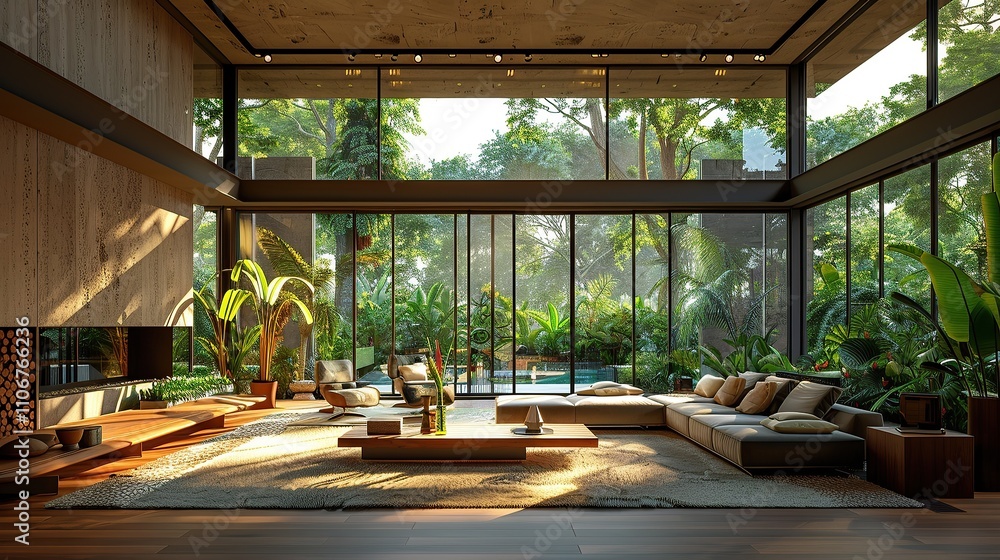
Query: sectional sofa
{"type": "Point", "coordinates": [737, 437]}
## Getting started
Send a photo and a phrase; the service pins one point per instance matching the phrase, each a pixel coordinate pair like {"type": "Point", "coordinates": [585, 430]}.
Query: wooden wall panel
{"type": "Point", "coordinates": [18, 224]}
{"type": "Point", "coordinates": [18, 26]}
{"type": "Point", "coordinates": [131, 53]}
{"type": "Point", "coordinates": [116, 244]}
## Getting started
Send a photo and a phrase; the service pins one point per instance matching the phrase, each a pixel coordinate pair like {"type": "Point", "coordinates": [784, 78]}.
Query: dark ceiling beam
{"type": "Point", "coordinates": [523, 196]}
{"type": "Point", "coordinates": [952, 124]}
{"type": "Point", "coordinates": [37, 97]}
{"type": "Point", "coordinates": [841, 24]}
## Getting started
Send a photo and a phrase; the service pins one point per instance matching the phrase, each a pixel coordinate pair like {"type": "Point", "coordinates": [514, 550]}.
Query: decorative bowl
{"type": "Point", "coordinates": [69, 438]}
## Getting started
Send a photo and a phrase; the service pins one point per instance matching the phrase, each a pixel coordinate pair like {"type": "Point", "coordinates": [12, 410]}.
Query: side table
{"type": "Point", "coordinates": [303, 390]}
{"type": "Point", "coordinates": [920, 465]}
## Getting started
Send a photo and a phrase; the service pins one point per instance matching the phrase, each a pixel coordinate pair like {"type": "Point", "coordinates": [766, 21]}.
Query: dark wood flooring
{"type": "Point", "coordinates": [970, 529]}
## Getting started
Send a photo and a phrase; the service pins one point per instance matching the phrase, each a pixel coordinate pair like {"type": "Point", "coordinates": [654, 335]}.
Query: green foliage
{"type": "Point", "coordinates": [185, 386]}
{"type": "Point", "coordinates": [554, 336]}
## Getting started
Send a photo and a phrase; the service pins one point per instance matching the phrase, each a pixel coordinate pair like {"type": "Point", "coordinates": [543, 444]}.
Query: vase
{"type": "Point", "coordinates": [266, 389]}
{"type": "Point", "coordinates": [440, 426]}
{"type": "Point", "coordinates": [984, 427]}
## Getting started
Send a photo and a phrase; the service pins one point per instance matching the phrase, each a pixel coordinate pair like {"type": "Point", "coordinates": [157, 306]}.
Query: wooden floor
{"type": "Point", "coordinates": [972, 530]}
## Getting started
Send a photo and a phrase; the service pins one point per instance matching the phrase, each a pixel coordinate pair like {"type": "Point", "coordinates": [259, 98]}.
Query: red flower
{"type": "Point", "coordinates": [847, 374]}
{"type": "Point", "coordinates": [866, 335]}
{"type": "Point", "coordinates": [943, 411]}
{"type": "Point", "coordinates": [874, 366]}
{"type": "Point", "coordinates": [885, 382]}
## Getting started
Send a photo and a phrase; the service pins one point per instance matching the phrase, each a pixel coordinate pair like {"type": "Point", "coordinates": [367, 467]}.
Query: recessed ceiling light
{"type": "Point", "coordinates": [459, 84]}
{"type": "Point", "coordinates": [729, 58]}
{"type": "Point", "coordinates": [350, 57]}
{"type": "Point", "coordinates": [258, 55]}
{"type": "Point", "coordinates": [703, 57]}
{"type": "Point", "coordinates": [394, 57]}
{"type": "Point", "coordinates": [267, 58]}
{"type": "Point", "coordinates": [452, 55]}
{"type": "Point", "coordinates": [418, 58]}
{"type": "Point", "coordinates": [498, 58]}
{"type": "Point", "coordinates": [377, 56]}
{"type": "Point", "coordinates": [527, 58]}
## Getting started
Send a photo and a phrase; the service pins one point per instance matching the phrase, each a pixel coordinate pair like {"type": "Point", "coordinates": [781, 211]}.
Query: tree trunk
{"type": "Point", "coordinates": [668, 156]}
{"type": "Point", "coordinates": [643, 170]}
{"type": "Point", "coordinates": [343, 296]}
{"type": "Point", "coordinates": [598, 135]}
{"type": "Point", "coordinates": [655, 234]}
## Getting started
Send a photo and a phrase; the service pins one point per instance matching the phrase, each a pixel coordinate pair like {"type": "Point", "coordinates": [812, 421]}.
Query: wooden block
{"type": "Point", "coordinates": [385, 426]}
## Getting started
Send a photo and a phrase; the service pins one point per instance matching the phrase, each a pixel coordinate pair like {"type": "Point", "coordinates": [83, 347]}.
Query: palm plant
{"type": "Point", "coordinates": [272, 304]}
{"type": "Point", "coordinates": [287, 261]}
{"type": "Point", "coordinates": [430, 315]}
{"type": "Point", "coordinates": [227, 351]}
{"type": "Point", "coordinates": [554, 335]}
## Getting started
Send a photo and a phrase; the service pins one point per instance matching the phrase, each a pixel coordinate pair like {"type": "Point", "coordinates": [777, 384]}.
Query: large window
{"type": "Point", "coordinates": [531, 303]}
{"type": "Point", "coordinates": [207, 106]}
{"type": "Point", "coordinates": [826, 258]}
{"type": "Point", "coordinates": [907, 219]}
{"type": "Point", "coordinates": [493, 123]}
{"type": "Point", "coordinates": [307, 123]}
{"type": "Point", "coordinates": [968, 44]}
{"type": "Point", "coordinates": [962, 178]}
{"type": "Point", "coordinates": [665, 125]}
{"type": "Point", "coordinates": [865, 247]}
{"type": "Point", "coordinates": [870, 77]}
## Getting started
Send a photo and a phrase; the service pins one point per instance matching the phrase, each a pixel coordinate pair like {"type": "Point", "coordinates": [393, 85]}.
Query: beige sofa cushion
{"type": "Point", "coordinates": [609, 389]}
{"type": "Point", "coordinates": [413, 372]}
{"type": "Point", "coordinates": [758, 399]}
{"type": "Point", "coordinates": [731, 391]}
{"type": "Point", "coordinates": [708, 386]}
{"type": "Point", "coordinates": [785, 387]}
{"type": "Point", "coordinates": [813, 398]}
{"type": "Point", "coordinates": [816, 426]}
{"type": "Point", "coordinates": [752, 378]}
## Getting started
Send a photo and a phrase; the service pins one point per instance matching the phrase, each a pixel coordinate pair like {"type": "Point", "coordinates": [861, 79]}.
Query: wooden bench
{"type": "Point", "coordinates": [126, 433]}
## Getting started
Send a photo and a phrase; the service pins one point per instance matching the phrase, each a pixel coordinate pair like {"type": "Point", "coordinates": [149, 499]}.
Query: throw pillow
{"type": "Point", "coordinates": [609, 389]}
{"type": "Point", "coordinates": [758, 399]}
{"type": "Point", "coordinates": [413, 372]}
{"type": "Point", "coordinates": [785, 387]}
{"type": "Point", "coordinates": [753, 378]}
{"type": "Point", "coordinates": [799, 426]}
{"type": "Point", "coordinates": [794, 416]}
{"type": "Point", "coordinates": [813, 398]}
{"type": "Point", "coordinates": [708, 386]}
{"type": "Point", "coordinates": [731, 391]}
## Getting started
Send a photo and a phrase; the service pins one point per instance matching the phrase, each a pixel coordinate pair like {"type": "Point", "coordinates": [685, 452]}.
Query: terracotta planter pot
{"type": "Point", "coordinates": [984, 426]}
{"type": "Point", "coordinates": [266, 389]}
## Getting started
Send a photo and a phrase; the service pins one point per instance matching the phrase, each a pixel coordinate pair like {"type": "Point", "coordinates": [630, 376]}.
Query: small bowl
{"type": "Point", "coordinates": [48, 439]}
{"type": "Point", "coordinates": [69, 438]}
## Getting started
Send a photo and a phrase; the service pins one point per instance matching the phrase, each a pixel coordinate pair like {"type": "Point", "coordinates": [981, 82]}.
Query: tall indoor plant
{"type": "Point", "coordinates": [271, 303]}
{"type": "Point", "coordinates": [226, 346]}
{"type": "Point", "coordinates": [970, 316]}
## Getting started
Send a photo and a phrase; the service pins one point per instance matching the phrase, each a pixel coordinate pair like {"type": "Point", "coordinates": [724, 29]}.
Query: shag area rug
{"type": "Point", "coordinates": [269, 464]}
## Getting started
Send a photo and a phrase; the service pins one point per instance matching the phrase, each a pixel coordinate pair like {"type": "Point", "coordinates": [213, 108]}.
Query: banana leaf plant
{"type": "Point", "coordinates": [222, 314]}
{"type": "Point", "coordinates": [969, 310]}
{"type": "Point", "coordinates": [271, 302]}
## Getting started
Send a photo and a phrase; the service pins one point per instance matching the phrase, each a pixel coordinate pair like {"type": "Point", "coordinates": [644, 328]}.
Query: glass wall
{"type": "Point", "coordinates": [968, 44]}
{"type": "Point", "coordinates": [531, 303]}
{"type": "Point", "coordinates": [207, 106]}
{"type": "Point", "coordinates": [962, 178]}
{"type": "Point", "coordinates": [206, 263]}
{"type": "Point", "coordinates": [870, 77]}
{"type": "Point", "coordinates": [308, 123]}
{"type": "Point", "coordinates": [907, 219]}
{"type": "Point", "coordinates": [493, 123]}
{"type": "Point", "coordinates": [866, 244]}
{"type": "Point", "coordinates": [664, 127]}
{"type": "Point", "coordinates": [826, 257]}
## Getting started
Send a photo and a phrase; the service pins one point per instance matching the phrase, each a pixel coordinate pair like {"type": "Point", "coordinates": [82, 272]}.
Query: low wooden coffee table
{"type": "Point", "coordinates": [464, 442]}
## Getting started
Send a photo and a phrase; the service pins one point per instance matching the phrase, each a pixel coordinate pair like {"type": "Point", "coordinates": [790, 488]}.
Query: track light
{"type": "Point", "coordinates": [452, 55]}
{"type": "Point", "coordinates": [267, 58]}
{"type": "Point", "coordinates": [703, 57]}
{"type": "Point", "coordinates": [418, 58]}
{"type": "Point", "coordinates": [351, 57]}
{"type": "Point", "coordinates": [759, 57]}
{"type": "Point", "coordinates": [394, 57]}
{"type": "Point", "coordinates": [258, 55]}
{"type": "Point", "coordinates": [729, 58]}
{"type": "Point", "coordinates": [498, 58]}
{"type": "Point", "coordinates": [527, 58]}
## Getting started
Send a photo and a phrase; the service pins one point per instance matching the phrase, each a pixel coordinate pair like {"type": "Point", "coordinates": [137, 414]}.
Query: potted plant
{"type": "Point", "coordinates": [157, 396]}
{"type": "Point", "coordinates": [970, 318]}
{"type": "Point", "coordinates": [228, 346]}
{"type": "Point", "coordinates": [273, 305]}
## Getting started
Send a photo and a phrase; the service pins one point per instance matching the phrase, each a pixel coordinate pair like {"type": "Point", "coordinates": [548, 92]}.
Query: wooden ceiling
{"type": "Point", "coordinates": [621, 29]}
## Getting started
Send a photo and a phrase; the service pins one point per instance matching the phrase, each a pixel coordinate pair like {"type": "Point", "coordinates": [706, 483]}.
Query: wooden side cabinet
{"type": "Point", "coordinates": [920, 465]}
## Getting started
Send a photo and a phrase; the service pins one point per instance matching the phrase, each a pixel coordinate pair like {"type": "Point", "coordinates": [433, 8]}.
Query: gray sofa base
{"type": "Point", "coordinates": [738, 438]}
